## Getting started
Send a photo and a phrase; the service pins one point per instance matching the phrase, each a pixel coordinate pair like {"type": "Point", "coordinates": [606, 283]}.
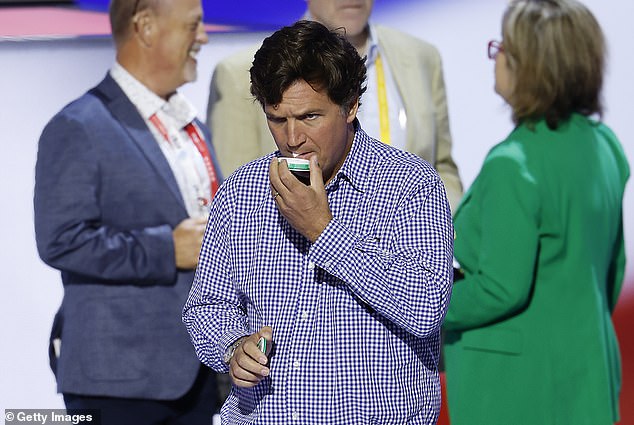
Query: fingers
{"type": "Point", "coordinates": [274, 178]}
{"type": "Point", "coordinates": [316, 175]}
{"type": "Point", "coordinates": [192, 224]}
{"type": "Point", "coordinates": [244, 377]}
{"type": "Point", "coordinates": [282, 179]}
{"type": "Point", "coordinates": [200, 220]}
{"type": "Point", "coordinates": [197, 227]}
{"type": "Point", "coordinates": [188, 236]}
{"type": "Point", "coordinates": [266, 332]}
{"type": "Point", "coordinates": [248, 364]}
{"type": "Point", "coordinates": [245, 371]}
{"type": "Point", "coordinates": [265, 343]}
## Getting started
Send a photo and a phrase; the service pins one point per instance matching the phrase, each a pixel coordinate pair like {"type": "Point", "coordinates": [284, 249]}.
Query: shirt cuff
{"type": "Point", "coordinates": [228, 339]}
{"type": "Point", "coordinates": [334, 243]}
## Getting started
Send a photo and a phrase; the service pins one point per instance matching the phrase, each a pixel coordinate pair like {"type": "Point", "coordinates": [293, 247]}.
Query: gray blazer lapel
{"type": "Point", "coordinates": [135, 126]}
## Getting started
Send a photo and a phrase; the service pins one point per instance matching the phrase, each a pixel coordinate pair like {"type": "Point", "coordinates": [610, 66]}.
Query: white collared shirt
{"type": "Point", "coordinates": [369, 111]}
{"type": "Point", "coordinates": [182, 155]}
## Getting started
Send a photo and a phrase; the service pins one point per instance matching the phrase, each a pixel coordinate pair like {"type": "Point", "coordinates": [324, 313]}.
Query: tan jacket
{"type": "Point", "coordinates": [241, 134]}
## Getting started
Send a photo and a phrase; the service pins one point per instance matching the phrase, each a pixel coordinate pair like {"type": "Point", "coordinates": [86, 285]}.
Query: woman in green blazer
{"type": "Point", "coordinates": [529, 338]}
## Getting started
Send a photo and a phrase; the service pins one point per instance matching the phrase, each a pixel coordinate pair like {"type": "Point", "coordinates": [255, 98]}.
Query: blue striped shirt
{"type": "Point", "coordinates": [355, 316]}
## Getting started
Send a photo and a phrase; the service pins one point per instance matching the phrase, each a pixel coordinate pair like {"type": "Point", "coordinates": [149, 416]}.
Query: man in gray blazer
{"type": "Point", "coordinates": [405, 103]}
{"type": "Point", "coordinates": [123, 178]}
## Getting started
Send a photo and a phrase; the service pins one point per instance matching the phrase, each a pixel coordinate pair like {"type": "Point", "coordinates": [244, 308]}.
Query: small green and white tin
{"type": "Point", "coordinates": [299, 167]}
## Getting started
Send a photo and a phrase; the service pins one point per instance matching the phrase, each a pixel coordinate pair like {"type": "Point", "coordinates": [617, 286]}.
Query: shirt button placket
{"type": "Point", "coordinates": [296, 365]}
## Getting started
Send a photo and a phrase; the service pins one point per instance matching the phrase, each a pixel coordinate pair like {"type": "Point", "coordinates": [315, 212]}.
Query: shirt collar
{"type": "Point", "coordinates": [148, 103]}
{"type": "Point", "coordinates": [358, 163]}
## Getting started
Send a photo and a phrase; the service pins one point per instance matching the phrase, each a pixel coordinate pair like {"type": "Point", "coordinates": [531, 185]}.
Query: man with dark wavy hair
{"type": "Point", "coordinates": [405, 104]}
{"type": "Point", "coordinates": [324, 300]}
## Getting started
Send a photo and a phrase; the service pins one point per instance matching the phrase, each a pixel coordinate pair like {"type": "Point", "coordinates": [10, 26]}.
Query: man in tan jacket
{"type": "Point", "coordinates": [405, 103]}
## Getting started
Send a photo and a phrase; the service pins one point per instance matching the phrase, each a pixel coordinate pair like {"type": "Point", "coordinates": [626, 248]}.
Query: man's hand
{"type": "Point", "coordinates": [304, 207]}
{"type": "Point", "coordinates": [188, 237]}
{"type": "Point", "coordinates": [248, 364]}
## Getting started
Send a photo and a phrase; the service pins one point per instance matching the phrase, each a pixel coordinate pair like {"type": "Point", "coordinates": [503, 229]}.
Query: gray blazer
{"type": "Point", "coordinates": [106, 203]}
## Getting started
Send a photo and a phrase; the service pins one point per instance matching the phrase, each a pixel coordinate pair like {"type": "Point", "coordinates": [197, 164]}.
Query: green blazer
{"type": "Point", "coordinates": [528, 335]}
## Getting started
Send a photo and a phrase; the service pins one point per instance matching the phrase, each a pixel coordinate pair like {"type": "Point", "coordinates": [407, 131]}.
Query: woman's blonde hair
{"type": "Point", "coordinates": [555, 50]}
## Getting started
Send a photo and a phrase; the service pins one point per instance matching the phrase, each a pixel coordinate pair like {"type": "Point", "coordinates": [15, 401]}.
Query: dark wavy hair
{"type": "Point", "coordinates": [556, 51]}
{"type": "Point", "coordinates": [308, 51]}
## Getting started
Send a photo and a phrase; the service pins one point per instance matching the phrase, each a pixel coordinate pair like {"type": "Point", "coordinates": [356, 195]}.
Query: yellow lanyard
{"type": "Point", "coordinates": [384, 116]}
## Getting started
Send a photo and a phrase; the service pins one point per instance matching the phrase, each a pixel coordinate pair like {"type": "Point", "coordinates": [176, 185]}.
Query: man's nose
{"type": "Point", "coordinates": [295, 136]}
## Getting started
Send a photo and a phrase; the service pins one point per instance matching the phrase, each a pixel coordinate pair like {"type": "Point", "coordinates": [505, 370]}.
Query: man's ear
{"type": "Point", "coordinates": [144, 27]}
{"type": "Point", "coordinates": [352, 113]}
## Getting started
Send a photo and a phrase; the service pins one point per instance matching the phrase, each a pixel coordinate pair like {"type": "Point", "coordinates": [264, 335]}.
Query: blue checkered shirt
{"type": "Point", "coordinates": [355, 315]}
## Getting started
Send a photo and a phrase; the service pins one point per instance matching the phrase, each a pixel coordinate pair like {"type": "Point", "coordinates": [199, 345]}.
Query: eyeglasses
{"type": "Point", "coordinates": [494, 48]}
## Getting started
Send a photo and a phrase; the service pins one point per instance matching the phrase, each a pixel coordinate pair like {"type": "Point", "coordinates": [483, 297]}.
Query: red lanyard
{"type": "Point", "coordinates": [200, 144]}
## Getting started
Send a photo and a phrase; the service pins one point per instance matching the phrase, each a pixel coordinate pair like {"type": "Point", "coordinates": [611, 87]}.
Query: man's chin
{"type": "Point", "coordinates": [189, 79]}
{"type": "Point", "coordinates": [191, 73]}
